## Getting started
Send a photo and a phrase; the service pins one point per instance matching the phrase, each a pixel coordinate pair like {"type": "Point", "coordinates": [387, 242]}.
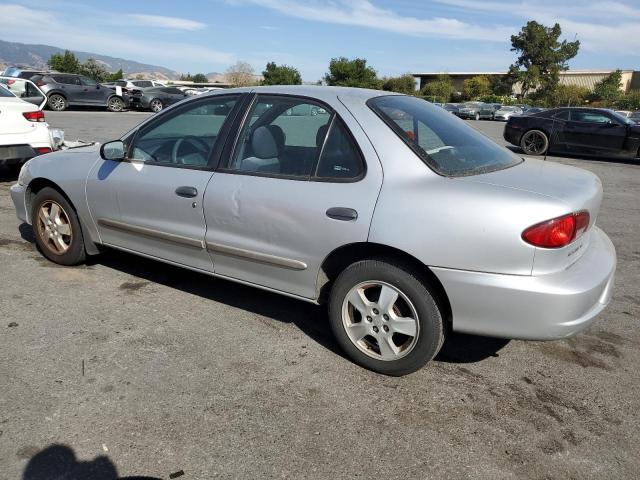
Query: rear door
{"type": "Point", "coordinates": [72, 88]}
{"type": "Point", "coordinates": [296, 187]}
{"type": "Point", "coordinates": [152, 202]}
{"type": "Point", "coordinates": [594, 130]}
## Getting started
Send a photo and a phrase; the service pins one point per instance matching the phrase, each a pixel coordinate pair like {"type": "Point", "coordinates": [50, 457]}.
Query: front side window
{"type": "Point", "coordinates": [89, 82]}
{"type": "Point", "coordinates": [281, 136]}
{"type": "Point", "coordinates": [185, 138]}
{"type": "Point", "coordinates": [444, 143]}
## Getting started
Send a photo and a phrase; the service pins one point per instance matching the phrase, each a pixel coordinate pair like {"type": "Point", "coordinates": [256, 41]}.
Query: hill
{"type": "Point", "coordinates": [13, 53]}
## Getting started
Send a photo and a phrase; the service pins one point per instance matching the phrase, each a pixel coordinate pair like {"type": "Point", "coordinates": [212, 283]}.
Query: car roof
{"type": "Point", "coordinates": [314, 91]}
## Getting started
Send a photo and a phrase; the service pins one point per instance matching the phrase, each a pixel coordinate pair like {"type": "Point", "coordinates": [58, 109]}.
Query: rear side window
{"type": "Point", "coordinates": [589, 117]}
{"type": "Point", "coordinates": [67, 80]}
{"type": "Point", "coordinates": [340, 157]}
{"type": "Point", "coordinates": [445, 143]}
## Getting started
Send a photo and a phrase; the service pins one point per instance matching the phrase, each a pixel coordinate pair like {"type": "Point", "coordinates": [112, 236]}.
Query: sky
{"type": "Point", "coordinates": [394, 36]}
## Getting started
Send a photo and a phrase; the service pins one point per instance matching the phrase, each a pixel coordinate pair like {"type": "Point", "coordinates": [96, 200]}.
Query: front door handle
{"type": "Point", "coordinates": [342, 213]}
{"type": "Point", "coordinates": [187, 192]}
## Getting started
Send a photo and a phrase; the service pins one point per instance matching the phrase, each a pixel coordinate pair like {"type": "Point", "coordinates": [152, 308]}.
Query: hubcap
{"type": "Point", "coordinates": [156, 106]}
{"type": "Point", "coordinates": [380, 320]}
{"type": "Point", "coordinates": [534, 142]}
{"type": "Point", "coordinates": [54, 227]}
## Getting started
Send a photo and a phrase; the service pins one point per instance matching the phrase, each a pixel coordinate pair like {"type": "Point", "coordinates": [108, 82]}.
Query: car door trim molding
{"type": "Point", "coordinates": [150, 232]}
{"type": "Point", "coordinates": [256, 256]}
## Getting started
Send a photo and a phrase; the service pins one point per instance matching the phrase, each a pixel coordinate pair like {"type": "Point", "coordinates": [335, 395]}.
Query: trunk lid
{"type": "Point", "coordinates": [572, 187]}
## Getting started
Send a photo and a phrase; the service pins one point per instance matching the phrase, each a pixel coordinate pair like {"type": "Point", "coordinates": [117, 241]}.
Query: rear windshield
{"type": "Point", "coordinates": [445, 143]}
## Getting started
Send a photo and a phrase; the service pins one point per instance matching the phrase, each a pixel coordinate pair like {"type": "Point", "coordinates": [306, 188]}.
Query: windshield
{"type": "Point", "coordinates": [446, 144]}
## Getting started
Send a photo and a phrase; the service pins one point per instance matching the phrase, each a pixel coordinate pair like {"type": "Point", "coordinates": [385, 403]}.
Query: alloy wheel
{"type": "Point", "coordinates": [54, 227]}
{"type": "Point", "coordinates": [156, 105]}
{"type": "Point", "coordinates": [116, 104]}
{"type": "Point", "coordinates": [57, 103]}
{"type": "Point", "coordinates": [534, 143]}
{"type": "Point", "coordinates": [380, 320]}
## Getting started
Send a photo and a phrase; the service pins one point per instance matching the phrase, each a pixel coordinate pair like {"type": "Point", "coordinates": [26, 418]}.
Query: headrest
{"type": "Point", "coordinates": [278, 135]}
{"type": "Point", "coordinates": [263, 143]}
{"type": "Point", "coordinates": [322, 132]}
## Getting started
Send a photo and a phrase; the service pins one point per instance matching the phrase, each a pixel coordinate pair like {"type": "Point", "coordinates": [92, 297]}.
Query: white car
{"type": "Point", "coordinates": [24, 132]}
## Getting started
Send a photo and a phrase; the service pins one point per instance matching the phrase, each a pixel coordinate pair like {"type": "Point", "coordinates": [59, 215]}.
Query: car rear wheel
{"type": "Point", "coordinates": [156, 105]}
{"type": "Point", "coordinates": [57, 102]}
{"type": "Point", "coordinates": [57, 228]}
{"type": "Point", "coordinates": [534, 142]}
{"type": "Point", "coordinates": [115, 104]}
{"type": "Point", "coordinates": [385, 318]}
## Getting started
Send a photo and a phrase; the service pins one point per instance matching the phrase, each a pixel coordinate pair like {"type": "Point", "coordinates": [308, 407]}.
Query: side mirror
{"type": "Point", "coordinates": [113, 151]}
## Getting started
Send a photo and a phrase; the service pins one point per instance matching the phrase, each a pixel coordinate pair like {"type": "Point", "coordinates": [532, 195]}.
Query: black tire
{"type": "Point", "coordinates": [57, 102]}
{"type": "Point", "coordinates": [75, 253]}
{"type": "Point", "coordinates": [534, 142]}
{"type": "Point", "coordinates": [430, 329]}
{"type": "Point", "coordinates": [115, 104]}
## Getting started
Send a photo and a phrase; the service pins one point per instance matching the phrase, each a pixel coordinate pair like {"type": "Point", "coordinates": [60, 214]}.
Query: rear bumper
{"type": "Point", "coordinates": [542, 307]}
{"type": "Point", "coordinates": [19, 201]}
{"type": "Point", "coordinates": [13, 154]}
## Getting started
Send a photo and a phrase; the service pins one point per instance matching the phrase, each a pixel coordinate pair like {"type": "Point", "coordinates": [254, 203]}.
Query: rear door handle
{"type": "Point", "coordinates": [187, 192]}
{"type": "Point", "coordinates": [342, 213]}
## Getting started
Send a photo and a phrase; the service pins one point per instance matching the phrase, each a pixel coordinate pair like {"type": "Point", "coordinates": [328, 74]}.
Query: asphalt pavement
{"type": "Point", "coordinates": [128, 367]}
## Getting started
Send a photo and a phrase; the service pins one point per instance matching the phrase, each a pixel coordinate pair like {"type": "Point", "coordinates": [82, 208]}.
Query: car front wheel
{"type": "Point", "coordinates": [385, 318]}
{"type": "Point", "coordinates": [534, 142]}
{"type": "Point", "coordinates": [156, 105]}
{"type": "Point", "coordinates": [57, 102]}
{"type": "Point", "coordinates": [57, 228]}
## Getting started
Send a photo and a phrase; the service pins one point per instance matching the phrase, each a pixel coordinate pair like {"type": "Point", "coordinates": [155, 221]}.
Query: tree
{"type": "Point", "coordinates": [629, 101]}
{"type": "Point", "coordinates": [64, 63]}
{"type": "Point", "coordinates": [93, 69]}
{"type": "Point", "coordinates": [566, 96]}
{"type": "Point", "coordinates": [112, 77]}
{"type": "Point", "coordinates": [541, 57]}
{"type": "Point", "coordinates": [439, 90]}
{"type": "Point", "coordinates": [608, 89]}
{"type": "Point", "coordinates": [280, 75]}
{"type": "Point", "coordinates": [475, 87]}
{"type": "Point", "coordinates": [403, 84]}
{"type": "Point", "coordinates": [501, 85]}
{"type": "Point", "coordinates": [186, 78]}
{"type": "Point", "coordinates": [199, 78]}
{"type": "Point", "coordinates": [240, 74]}
{"type": "Point", "coordinates": [351, 73]}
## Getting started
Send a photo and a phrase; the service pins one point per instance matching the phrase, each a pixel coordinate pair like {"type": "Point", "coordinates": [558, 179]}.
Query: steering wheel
{"type": "Point", "coordinates": [197, 142]}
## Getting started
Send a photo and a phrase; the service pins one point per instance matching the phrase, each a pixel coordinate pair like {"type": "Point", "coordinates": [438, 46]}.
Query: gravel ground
{"type": "Point", "coordinates": [129, 367]}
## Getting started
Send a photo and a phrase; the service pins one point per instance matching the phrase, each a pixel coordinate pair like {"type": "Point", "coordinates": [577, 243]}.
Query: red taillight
{"type": "Point", "coordinates": [10, 82]}
{"type": "Point", "coordinates": [557, 232]}
{"type": "Point", "coordinates": [43, 150]}
{"type": "Point", "coordinates": [37, 116]}
{"type": "Point", "coordinates": [40, 83]}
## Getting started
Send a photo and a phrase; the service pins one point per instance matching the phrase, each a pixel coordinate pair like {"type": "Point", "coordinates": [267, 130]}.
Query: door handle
{"type": "Point", "coordinates": [342, 213]}
{"type": "Point", "coordinates": [187, 192]}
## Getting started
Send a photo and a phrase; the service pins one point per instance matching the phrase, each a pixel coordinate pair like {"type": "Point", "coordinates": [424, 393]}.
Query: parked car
{"type": "Point", "coordinates": [156, 98]}
{"type": "Point", "coordinates": [24, 132]}
{"type": "Point", "coordinates": [504, 113]}
{"type": "Point", "coordinates": [66, 89]}
{"type": "Point", "coordinates": [452, 107]}
{"type": "Point", "coordinates": [624, 113]}
{"type": "Point", "coordinates": [476, 111]}
{"type": "Point", "coordinates": [146, 83]}
{"type": "Point", "coordinates": [534, 110]}
{"type": "Point", "coordinates": [228, 185]}
{"type": "Point", "coordinates": [21, 72]}
{"type": "Point", "coordinates": [635, 117]}
{"type": "Point", "coordinates": [590, 131]}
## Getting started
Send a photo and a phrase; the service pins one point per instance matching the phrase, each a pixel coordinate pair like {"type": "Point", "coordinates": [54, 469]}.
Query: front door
{"type": "Point", "coordinates": [152, 202]}
{"type": "Point", "coordinates": [93, 92]}
{"type": "Point", "coordinates": [592, 130]}
{"type": "Point", "coordinates": [296, 187]}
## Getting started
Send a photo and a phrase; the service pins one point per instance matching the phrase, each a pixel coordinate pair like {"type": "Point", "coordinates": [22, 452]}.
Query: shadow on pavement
{"type": "Point", "coordinates": [311, 319]}
{"type": "Point", "coordinates": [60, 462]}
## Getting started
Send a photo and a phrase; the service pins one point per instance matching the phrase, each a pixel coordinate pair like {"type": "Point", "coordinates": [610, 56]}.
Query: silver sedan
{"type": "Point", "coordinates": [406, 221]}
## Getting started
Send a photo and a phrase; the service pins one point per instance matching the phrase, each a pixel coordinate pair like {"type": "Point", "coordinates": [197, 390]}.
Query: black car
{"type": "Point", "coordinates": [65, 89]}
{"type": "Point", "coordinates": [156, 98]}
{"type": "Point", "coordinates": [591, 131]}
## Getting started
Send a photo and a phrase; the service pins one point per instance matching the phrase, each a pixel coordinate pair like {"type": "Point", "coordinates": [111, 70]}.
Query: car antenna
{"type": "Point", "coordinates": [553, 129]}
